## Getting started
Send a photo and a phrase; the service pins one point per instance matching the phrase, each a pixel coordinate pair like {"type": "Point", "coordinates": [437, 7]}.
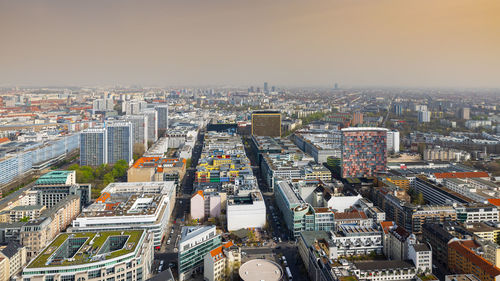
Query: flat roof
{"type": "Point", "coordinates": [90, 248]}
{"type": "Point", "coordinates": [357, 129]}
{"type": "Point", "coordinates": [261, 270]}
{"type": "Point", "coordinates": [383, 265]}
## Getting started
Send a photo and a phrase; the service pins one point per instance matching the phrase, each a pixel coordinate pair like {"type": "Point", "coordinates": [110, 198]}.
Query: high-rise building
{"type": "Point", "coordinates": [424, 116]}
{"type": "Point", "coordinates": [195, 243]}
{"type": "Point", "coordinates": [465, 113]}
{"type": "Point", "coordinates": [162, 119]}
{"type": "Point", "coordinates": [139, 129]}
{"type": "Point", "coordinates": [266, 123]}
{"type": "Point", "coordinates": [119, 141]}
{"type": "Point", "coordinates": [393, 141]}
{"type": "Point", "coordinates": [93, 147]}
{"type": "Point", "coordinates": [133, 107]}
{"type": "Point", "coordinates": [152, 115]}
{"type": "Point", "coordinates": [357, 119]}
{"type": "Point", "coordinates": [109, 255]}
{"type": "Point", "coordinates": [398, 109]}
{"type": "Point", "coordinates": [364, 152]}
{"type": "Point", "coordinates": [266, 87]}
{"type": "Point", "coordinates": [102, 105]}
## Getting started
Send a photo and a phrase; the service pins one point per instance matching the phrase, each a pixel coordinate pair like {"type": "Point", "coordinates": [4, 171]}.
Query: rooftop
{"type": "Point", "coordinates": [383, 265]}
{"type": "Point", "coordinates": [87, 247]}
{"type": "Point", "coordinates": [54, 177]}
{"type": "Point", "coordinates": [261, 270]}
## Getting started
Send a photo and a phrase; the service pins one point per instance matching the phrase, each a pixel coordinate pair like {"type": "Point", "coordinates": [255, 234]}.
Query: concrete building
{"type": "Point", "coordinates": [246, 211]}
{"type": "Point", "coordinates": [54, 186]}
{"type": "Point", "coordinates": [320, 144]}
{"type": "Point", "coordinates": [364, 152]}
{"type": "Point", "coordinates": [93, 147]}
{"type": "Point", "coordinates": [421, 255]}
{"type": "Point", "coordinates": [133, 107]}
{"type": "Point", "coordinates": [162, 119]}
{"type": "Point", "coordinates": [102, 105]}
{"type": "Point", "coordinates": [120, 141]}
{"type": "Point", "coordinates": [464, 113]}
{"type": "Point", "coordinates": [131, 205]}
{"type": "Point", "coordinates": [112, 255]}
{"type": "Point", "coordinates": [424, 116]}
{"type": "Point", "coordinates": [393, 142]}
{"type": "Point", "coordinates": [139, 130]}
{"type": "Point", "coordinates": [152, 123]}
{"type": "Point", "coordinates": [196, 242]}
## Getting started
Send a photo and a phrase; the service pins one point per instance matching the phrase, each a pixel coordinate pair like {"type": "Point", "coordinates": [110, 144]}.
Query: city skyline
{"type": "Point", "coordinates": [451, 44]}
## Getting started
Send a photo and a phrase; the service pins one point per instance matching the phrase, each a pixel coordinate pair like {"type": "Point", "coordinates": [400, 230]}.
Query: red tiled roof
{"type": "Point", "coordinates": [200, 192]}
{"type": "Point", "coordinates": [494, 201]}
{"type": "Point", "coordinates": [217, 253]}
{"type": "Point", "coordinates": [350, 215]}
{"type": "Point", "coordinates": [2, 140]}
{"type": "Point", "coordinates": [461, 175]}
{"type": "Point", "coordinates": [461, 248]}
{"type": "Point", "coordinates": [386, 225]}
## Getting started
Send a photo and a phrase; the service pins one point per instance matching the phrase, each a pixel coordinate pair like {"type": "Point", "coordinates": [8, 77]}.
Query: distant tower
{"type": "Point", "coordinates": [357, 119]}
{"type": "Point", "coordinates": [465, 113]}
{"type": "Point", "coordinates": [265, 87]}
{"type": "Point", "coordinates": [336, 86]}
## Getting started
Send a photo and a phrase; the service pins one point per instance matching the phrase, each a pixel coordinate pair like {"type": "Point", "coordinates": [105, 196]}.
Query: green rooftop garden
{"type": "Point", "coordinates": [86, 251]}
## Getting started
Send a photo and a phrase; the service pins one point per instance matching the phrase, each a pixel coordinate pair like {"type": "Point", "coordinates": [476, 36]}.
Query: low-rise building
{"type": "Point", "coordinates": [130, 205]}
{"type": "Point", "coordinates": [222, 262]}
{"type": "Point", "coordinates": [12, 260]}
{"type": "Point", "coordinates": [109, 255]}
{"type": "Point", "coordinates": [463, 260]}
{"type": "Point", "coordinates": [195, 243]}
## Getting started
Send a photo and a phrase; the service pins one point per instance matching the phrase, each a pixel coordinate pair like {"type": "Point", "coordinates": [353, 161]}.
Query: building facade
{"type": "Point", "coordinates": [364, 152]}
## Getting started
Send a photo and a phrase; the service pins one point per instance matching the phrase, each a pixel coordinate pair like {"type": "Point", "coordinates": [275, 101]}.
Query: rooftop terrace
{"type": "Point", "coordinates": [69, 249]}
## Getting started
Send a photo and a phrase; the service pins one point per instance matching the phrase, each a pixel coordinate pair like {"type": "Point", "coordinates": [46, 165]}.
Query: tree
{"type": "Point", "coordinates": [108, 178]}
{"type": "Point", "coordinates": [138, 151]}
{"type": "Point", "coordinates": [420, 199]}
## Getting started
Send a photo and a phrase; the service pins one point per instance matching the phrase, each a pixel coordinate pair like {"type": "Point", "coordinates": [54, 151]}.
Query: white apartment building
{"type": "Point", "coordinates": [246, 211]}
{"type": "Point", "coordinates": [131, 205]}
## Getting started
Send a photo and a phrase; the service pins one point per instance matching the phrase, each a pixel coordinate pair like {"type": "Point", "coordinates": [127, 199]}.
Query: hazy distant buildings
{"type": "Point", "coordinates": [364, 152]}
{"type": "Point", "coordinates": [357, 119]}
{"type": "Point", "coordinates": [266, 123]}
{"type": "Point", "coordinates": [119, 137]}
{"type": "Point", "coordinates": [464, 113]}
{"type": "Point", "coordinates": [133, 107]}
{"type": "Point", "coordinates": [102, 105]}
{"type": "Point", "coordinates": [424, 116]}
{"type": "Point", "coordinates": [398, 109]}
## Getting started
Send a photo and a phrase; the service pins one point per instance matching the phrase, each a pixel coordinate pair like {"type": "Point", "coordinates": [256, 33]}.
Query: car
{"type": "Point", "coordinates": [278, 247]}
{"type": "Point", "coordinates": [172, 231]}
{"type": "Point", "coordinates": [279, 239]}
{"type": "Point", "coordinates": [168, 242]}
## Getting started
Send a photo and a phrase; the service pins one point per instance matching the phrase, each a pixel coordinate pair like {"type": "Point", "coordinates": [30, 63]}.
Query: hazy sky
{"type": "Point", "coordinates": [445, 43]}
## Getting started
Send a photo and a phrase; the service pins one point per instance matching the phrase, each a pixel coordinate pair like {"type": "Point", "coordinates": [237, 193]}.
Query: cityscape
{"type": "Point", "coordinates": [232, 152]}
